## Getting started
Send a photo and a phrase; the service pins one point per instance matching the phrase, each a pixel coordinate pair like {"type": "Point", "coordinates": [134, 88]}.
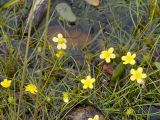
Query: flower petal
{"type": "Point", "coordinates": [144, 75]}
{"type": "Point", "coordinates": [90, 119]}
{"type": "Point", "coordinates": [132, 78]}
{"type": "Point", "coordinates": [55, 39]}
{"type": "Point", "coordinates": [125, 63]}
{"type": "Point", "coordinates": [65, 41]}
{"type": "Point", "coordinates": [108, 60]}
{"type": "Point", "coordinates": [132, 62]}
{"type": "Point", "coordinates": [59, 46]}
{"type": "Point", "coordinates": [123, 58]}
{"type": "Point", "coordinates": [60, 35]}
{"type": "Point", "coordinates": [113, 56]}
{"type": "Point", "coordinates": [140, 69]}
{"type": "Point", "coordinates": [134, 55]}
{"type": "Point", "coordinates": [88, 77]}
{"type": "Point", "coordinates": [9, 81]}
{"type": "Point", "coordinates": [85, 86]}
{"type": "Point", "coordinates": [96, 117]}
{"type": "Point", "coordinates": [140, 81]}
{"type": "Point", "coordinates": [63, 46]}
{"type": "Point", "coordinates": [111, 49]}
{"type": "Point", "coordinates": [132, 71]}
{"type": "Point", "coordinates": [66, 100]}
{"type": "Point", "coordinates": [83, 81]}
{"type": "Point", "coordinates": [93, 80]}
{"type": "Point", "coordinates": [128, 54]}
{"type": "Point", "coordinates": [101, 56]}
{"type": "Point", "coordinates": [91, 86]}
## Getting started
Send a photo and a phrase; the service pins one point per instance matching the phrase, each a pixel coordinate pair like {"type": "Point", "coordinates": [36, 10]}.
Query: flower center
{"type": "Point", "coordinates": [107, 54]}
{"type": "Point", "coordinates": [88, 82]}
{"type": "Point", "coordinates": [138, 75]}
{"type": "Point", "coordinates": [129, 58]}
{"type": "Point", "coordinates": [61, 40]}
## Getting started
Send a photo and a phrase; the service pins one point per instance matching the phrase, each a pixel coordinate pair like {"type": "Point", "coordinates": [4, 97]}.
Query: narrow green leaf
{"type": "Point", "coordinates": [157, 64]}
{"type": "Point", "coordinates": [148, 42]}
{"type": "Point", "coordinates": [8, 4]}
{"type": "Point", "coordinates": [118, 72]}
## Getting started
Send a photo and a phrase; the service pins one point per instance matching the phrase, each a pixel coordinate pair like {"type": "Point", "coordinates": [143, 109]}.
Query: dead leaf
{"type": "Point", "coordinates": [108, 69]}
{"type": "Point", "coordinates": [21, 2]}
{"type": "Point", "coordinates": [93, 2]}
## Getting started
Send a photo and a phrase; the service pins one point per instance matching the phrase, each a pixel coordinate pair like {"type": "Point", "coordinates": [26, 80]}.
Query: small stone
{"type": "Point", "coordinates": [83, 112]}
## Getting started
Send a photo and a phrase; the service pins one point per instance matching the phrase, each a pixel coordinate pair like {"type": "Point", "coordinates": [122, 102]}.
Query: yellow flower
{"type": "Point", "coordinates": [60, 54]}
{"type": "Point", "coordinates": [48, 99]}
{"type": "Point", "coordinates": [61, 41]}
{"type": "Point", "coordinates": [65, 97]}
{"type": "Point", "coordinates": [96, 117]}
{"type": "Point", "coordinates": [88, 82]}
{"type": "Point", "coordinates": [6, 83]}
{"type": "Point", "coordinates": [31, 88]}
{"type": "Point", "coordinates": [129, 111]}
{"type": "Point", "coordinates": [129, 58]}
{"type": "Point", "coordinates": [11, 100]}
{"type": "Point", "coordinates": [108, 55]}
{"type": "Point", "coordinates": [39, 49]}
{"type": "Point", "coordinates": [138, 75]}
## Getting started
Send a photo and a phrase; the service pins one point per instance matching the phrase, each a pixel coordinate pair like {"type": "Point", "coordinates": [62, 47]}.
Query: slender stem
{"type": "Point", "coordinates": [42, 60]}
{"type": "Point", "coordinates": [25, 65]}
{"type": "Point", "coordinates": [152, 8]}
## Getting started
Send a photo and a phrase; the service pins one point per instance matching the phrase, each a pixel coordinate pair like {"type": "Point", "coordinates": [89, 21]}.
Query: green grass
{"type": "Point", "coordinates": [116, 23]}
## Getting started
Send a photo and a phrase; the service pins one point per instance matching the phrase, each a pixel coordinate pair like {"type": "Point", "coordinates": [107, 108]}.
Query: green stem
{"type": "Point", "coordinates": [42, 61]}
{"type": "Point", "coordinates": [152, 8]}
{"type": "Point", "coordinates": [25, 65]}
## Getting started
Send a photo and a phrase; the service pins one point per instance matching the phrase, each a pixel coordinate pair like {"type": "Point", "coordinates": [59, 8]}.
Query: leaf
{"type": "Point", "coordinates": [157, 64]}
{"type": "Point", "coordinates": [21, 2]}
{"type": "Point", "coordinates": [8, 4]}
{"type": "Point", "coordinates": [148, 41]}
{"type": "Point", "coordinates": [93, 2]}
{"type": "Point", "coordinates": [108, 69]}
{"type": "Point", "coordinates": [118, 72]}
{"type": "Point", "coordinates": [65, 12]}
